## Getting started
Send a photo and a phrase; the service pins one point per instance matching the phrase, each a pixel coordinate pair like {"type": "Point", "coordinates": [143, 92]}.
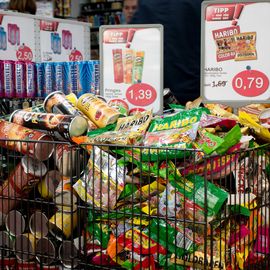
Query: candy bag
{"type": "Point", "coordinates": [135, 123]}
{"type": "Point", "coordinates": [208, 142]}
{"type": "Point", "coordinates": [178, 120]}
{"type": "Point", "coordinates": [208, 120]}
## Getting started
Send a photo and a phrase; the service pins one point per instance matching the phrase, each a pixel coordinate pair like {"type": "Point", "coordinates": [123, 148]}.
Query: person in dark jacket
{"type": "Point", "coordinates": [182, 24]}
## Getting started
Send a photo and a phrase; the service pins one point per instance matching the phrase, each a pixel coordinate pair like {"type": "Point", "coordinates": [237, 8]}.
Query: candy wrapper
{"type": "Point", "coordinates": [175, 237]}
{"type": "Point", "coordinates": [135, 123]}
{"type": "Point", "coordinates": [208, 142]}
{"type": "Point", "coordinates": [103, 180]}
{"type": "Point", "coordinates": [261, 131]}
{"type": "Point", "coordinates": [177, 120]}
{"type": "Point", "coordinates": [215, 167]}
{"type": "Point", "coordinates": [219, 123]}
{"type": "Point", "coordinates": [186, 199]}
{"type": "Point", "coordinates": [116, 137]}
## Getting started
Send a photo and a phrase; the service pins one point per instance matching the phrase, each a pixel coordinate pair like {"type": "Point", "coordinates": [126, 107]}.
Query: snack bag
{"type": "Point", "coordinates": [208, 142]}
{"type": "Point", "coordinates": [178, 120]}
{"type": "Point", "coordinates": [245, 46]}
{"type": "Point", "coordinates": [97, 186]}
{"type": "Point", "coordinates": [135, 123]}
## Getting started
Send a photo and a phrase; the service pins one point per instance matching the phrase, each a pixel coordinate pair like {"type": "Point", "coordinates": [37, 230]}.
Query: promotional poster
{"type": "Point", "coordinates": [235, 55]}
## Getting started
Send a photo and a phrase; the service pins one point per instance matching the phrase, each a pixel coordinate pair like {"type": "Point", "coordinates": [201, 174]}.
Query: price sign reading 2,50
{"type": "Point", "coordinates": [141, 94]}
{"type": "Point", "coordinates": [250, 83]}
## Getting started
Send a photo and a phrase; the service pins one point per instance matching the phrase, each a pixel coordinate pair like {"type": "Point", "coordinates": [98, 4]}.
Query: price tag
{"type": "Point", "coordinates": [141, 94]}
{"type": "Point", "coordinates": [75, 55]}
{"type": "Point", "coordinates": [250, 83]}
{"type": "Point", "coordinates": [24, 53]}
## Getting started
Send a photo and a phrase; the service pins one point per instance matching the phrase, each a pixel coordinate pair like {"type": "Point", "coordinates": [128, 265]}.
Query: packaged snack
{"type": "Point", "coordinates": [137, 241]}
{"type": "Point", "coordinates": [221, 111]}
{"type": "Point", "coordinates": [116, 137]}
{"type": "Point", "coordinates": [120, 105]}
{"type": "Point", "coordinates": [177, 239]}
{"type": "Point", "coordinates": [261, 131]}
{"type": "Point", "coordinates": [208, 142]}
{"type": "Point", "coordinates": [189, 194]}
{"type": "Point", "coordinates": [103, 180]}
{"type": "Point", "coordinates": [137, 262]}
{"type": "Point", "coordinates": [118, 66]}
{"type": "Point", "coordinates": [245, 46]}
{"type": "Point", "coordinates": [215, 167]}
{"type": "Point", "coordinates": [178, 120]}
{"type": "Point", "coordinates": [135, 123]}
{"type": "Point", "coordinates": [231, 138]}
{"type": "Point", "coordinates": [220, 123]}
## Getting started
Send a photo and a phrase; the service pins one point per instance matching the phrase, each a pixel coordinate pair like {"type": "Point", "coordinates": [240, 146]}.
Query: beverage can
{"type": "Point", "coordinates": [9, 86]}
{"type": "Point", "coordinates": [72, 98]}
{"type": "Point", "coordinates": [30, 80]}
{"type": "Point", "coordinates": [40, 79]}
{"type": "Point", "coordinates": [59, 76]}
{"type": "Point", "coordinates": [66, 80]}
{"type": "Point", "coordinates": [84, 72]}
{"type": "Point", "coordinates": [20, 79]}
{"type": "Point", "coordinates": [95, 80]}
{"type": "Point", "coordinates": [74, 78]}
{"type": "Point", "coordinates": [17, 35]}
{"type": "Point", "coordinates": [49, 86]}
{"type": "Point", "coordinates": [2, 90]}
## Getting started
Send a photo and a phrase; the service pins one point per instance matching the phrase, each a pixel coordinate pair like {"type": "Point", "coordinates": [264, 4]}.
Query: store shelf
{"type": "Point", "coordinates": [100, 11]}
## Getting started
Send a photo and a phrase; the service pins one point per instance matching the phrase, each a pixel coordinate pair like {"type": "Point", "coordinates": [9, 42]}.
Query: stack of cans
{"type": "Point", "coordinates": [30, 80]}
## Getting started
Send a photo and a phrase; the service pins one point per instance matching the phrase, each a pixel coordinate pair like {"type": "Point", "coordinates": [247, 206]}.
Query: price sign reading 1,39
{"type": "Point", "coordinates": [141, 94]}
{"type": "Point", "coordinates": [250, 83]}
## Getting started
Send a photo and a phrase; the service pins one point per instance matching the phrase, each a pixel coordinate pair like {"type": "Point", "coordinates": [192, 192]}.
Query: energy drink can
{"type": "Point", "coordinates": [25, 247]}
{"type": "Point", "coordinates": [95, 81]}
{"type": "Point", "coordinates": [49, 70]}
{"type": "Point", "coordinates": [9, 86]}
{"type": "Point", "coordinates": [6, 244]}
{"type": "Point", "coordinates": [62, 224]}
{"type": "Point", "coordinates": [49, 184]}
{"type": "Point", "coordinates": [84, 73]}
{"type": "Point", "coordinates": [30, 80]}
{"type": "Point", "coordinates": [38, 224]}
{"type": "Point", "coordinates": [2, 90]}
{"type": "Point", "coordinates": [97, 110]}
{"type": "Point", "coordinates": [65, 198]}
{"type": "Point", "coordinates": [68, 254]}
{"type": "Point", "coordinates": [46, 251]}
{"type": "Point", "coordinates": [64, 159]}
{"type": "Point", "coordinates": [58, 125]}
{"type": "Point", "coordinates": [20, 79]}
{"type": "Point", "coordinates": [19, 183]}
{"type": "Point", "coordinates": [15, 222]}
{"type": "Point", "coordinates": [59, 76]}
{"type": "Point", "coordinates": [40, 79]}
{"type": "Point", "coordinates": [66, 81]}
{"type": "Point", "coordinates": [74, 78]}
{"type": "Point", "coordinates": [19, 139]}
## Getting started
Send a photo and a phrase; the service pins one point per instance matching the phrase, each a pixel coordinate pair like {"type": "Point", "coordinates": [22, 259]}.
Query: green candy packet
{"type": "Point", "coordinates": [231, 138]}
{"type": "Point", "coordinates": [177, 120]}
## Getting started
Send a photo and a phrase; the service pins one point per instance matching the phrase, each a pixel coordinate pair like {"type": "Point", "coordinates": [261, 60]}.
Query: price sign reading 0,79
{"type": "Point", "coordinates": [141, 94]}
{"type": "Point", "coordinates": [250, 83]}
